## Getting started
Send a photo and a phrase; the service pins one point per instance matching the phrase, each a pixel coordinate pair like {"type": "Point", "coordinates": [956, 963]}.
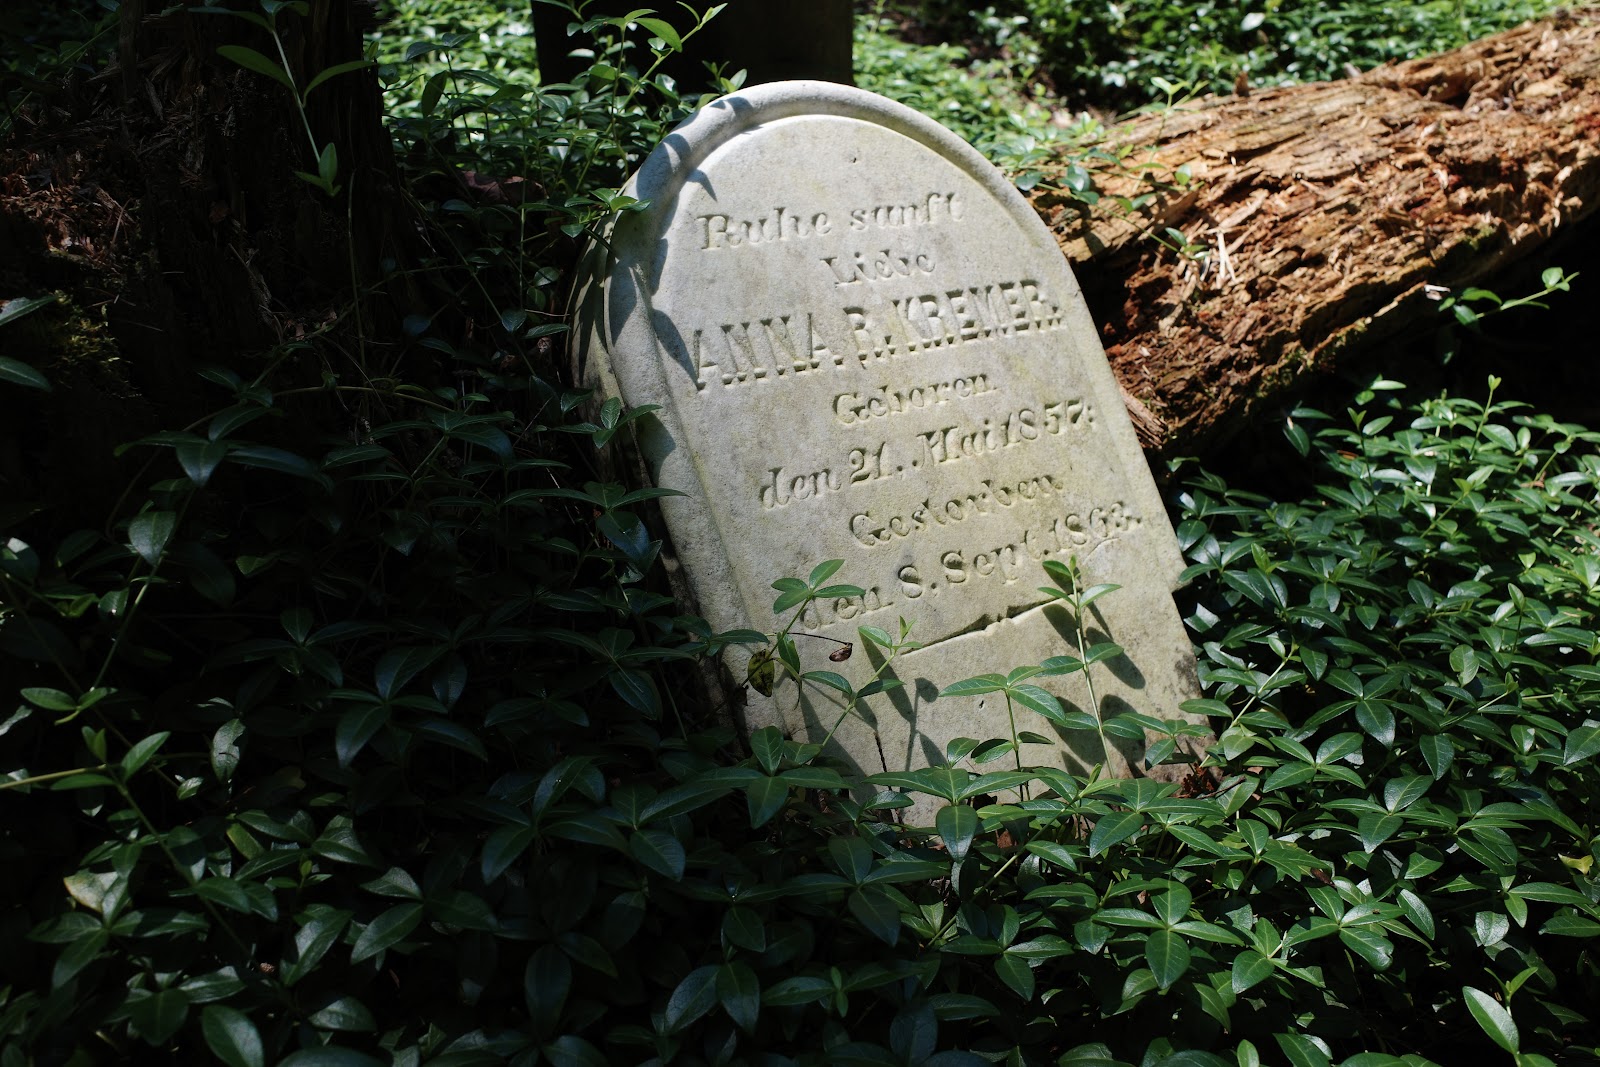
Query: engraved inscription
{"type": "Point", "coordinates": [924, 212]}
{"type": "Point", "coordinates": [950, 444]}
{"type": "Point", "coordinates": [890, 493]}
{"type": "Point", "coordinates": [719, 231]}
{"type": "Point", "coordinates": [883, 266]}
{"type": "Point", "coordinates": [725, 231]}
{"type": "Point", "coordinates": [771, 348]}
{"type": "Point", "coordinates": [952, 317]}
{"type": "Point", "coordinates": [781, 487]}
{"type": "Point", "coordinates": [928, 449]}
{"type": "Point", "coordinates": [789, 344]}
{"type": "Point", "coordinates": [987, 499]}
{"type": "Point", "coordinates": [884, 401]}
{"type": "Point", "coordinates": [1009, 558]}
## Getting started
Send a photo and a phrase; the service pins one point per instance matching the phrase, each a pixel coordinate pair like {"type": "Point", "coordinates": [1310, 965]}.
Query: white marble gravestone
{"type": "Point", "coordinates": [866, 346]}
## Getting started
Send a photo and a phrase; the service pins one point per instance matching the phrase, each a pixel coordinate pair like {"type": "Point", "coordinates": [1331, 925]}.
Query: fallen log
{"type": "Point", "coordinates": [1326, 212]}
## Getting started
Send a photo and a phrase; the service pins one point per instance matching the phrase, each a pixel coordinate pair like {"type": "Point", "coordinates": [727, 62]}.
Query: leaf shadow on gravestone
{"type": "Point", "coordinates": [907, 701]}
{"type": "Point", "coordinates": [624, 303]}
{"type": "Point", "coordinates": [1120, 667]}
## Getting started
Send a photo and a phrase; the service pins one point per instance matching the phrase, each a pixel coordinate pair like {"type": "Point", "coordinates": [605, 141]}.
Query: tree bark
{"type": "Point", "coordinates": [1328, 211]}
{"type": "Point", "coordinates": [159, 200]}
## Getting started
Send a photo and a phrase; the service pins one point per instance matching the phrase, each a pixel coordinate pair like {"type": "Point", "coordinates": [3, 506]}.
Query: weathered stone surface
{"type": "Point", "coordinates": [866, 346]}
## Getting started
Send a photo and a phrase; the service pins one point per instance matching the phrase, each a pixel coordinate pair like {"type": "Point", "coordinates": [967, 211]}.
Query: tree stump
{"type": "Point", "coordinates": [1329, 210]}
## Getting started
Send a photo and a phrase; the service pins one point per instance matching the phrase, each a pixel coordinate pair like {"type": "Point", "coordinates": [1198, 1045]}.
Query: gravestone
{"type": "Point", "coordinates": [866, 346]}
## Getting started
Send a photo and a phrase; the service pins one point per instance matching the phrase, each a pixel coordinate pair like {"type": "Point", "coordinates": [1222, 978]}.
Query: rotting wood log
{"type": "Point", "coordinates": [1327, 210]}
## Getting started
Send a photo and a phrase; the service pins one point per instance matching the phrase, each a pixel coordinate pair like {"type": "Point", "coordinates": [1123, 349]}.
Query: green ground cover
{"type": "Point", "coordinates": [373, 751]}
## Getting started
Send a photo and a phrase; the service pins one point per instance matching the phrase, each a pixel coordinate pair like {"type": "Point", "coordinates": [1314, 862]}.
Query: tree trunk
{"type": "Point", "coordinates": [1329, 211]}
{"type": "Point", "coordinates": [159, 200]}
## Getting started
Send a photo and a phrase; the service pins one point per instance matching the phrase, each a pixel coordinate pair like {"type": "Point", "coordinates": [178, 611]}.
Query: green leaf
{"type": "Point", "coordinates": [956, 824]}
{"type": "Point", "coordinates": [502, 848]}
{"type": "Point", "coordinates": [1582, 742]}
{"type": "Point", "coordinates": [659, 851]}
{"type": "Point", "coordinates": [228, 893]}
{"type": "Point", "coordinates": [987, 683]}
{"type": "Point", "coordinates": [570, 1050]}
{"type": "Point", "coordinates": [1114, 828]}
{"type": "Point", "coordinates": [824, 570]}
{"type": "Point", "coordinates": [694, 996]}
{"type": "Point", "coordinates": [158, 1016]}
{"type": "Point", "coordinates": [1250, 968]}
{"type": "Point", "coordinates": [330, 1056]}
{"type": "Point", "coordinates": [1568, 925]}
{"type": "Point", "coordinates": [395, 882]}
{"type": "Point", "coordinates": [76, 956]}
{"type": "Point", "coordinates": [1438, 750]}
{"type": "Point", "coordinates": [853, 856]}
{"type": "Point", "coordinates": [874, 909]}
{"type": "Point", "coordinates": [1173, 904]}
{"type": "Point", "coordinates": [1490, 927]}
{"type": "Point", "coordinates": [275, 459]}
{"type": "Point", "coordinates": [1493, 1018]}
{"type": "Point", "coordinates": [794, 991]}
{"type": "Point", "coordinates": [743, 927]}
{"type": "Point", "coordinates": [1377, 720]}
{"type": "Point", "coordinates": [1417, 912]}
{"type": "Point", "coordinates": [386, 930]}
{"type": "Point", "coordinates": [232, 1037]}
{"type": "Point", "coordinates": [1168, 956]}
{"type": "Point", "coordinates": [1063, 856]}
{"type": "Point", "coordinates": [546, 981]}
{"type": "Point", "coordinates": [250, 59]}
{"type": "Point", "coordinates": [664, 31]}
{"type": "Point", "coordinates": [356, 727]}
{"type": "Point", "coordinates": [399, 666]}
{"type": "Point", "coordinates": [1016, 974]}
{"type": "Point", "coordinates": [150, 532]}
{"type": "Point", "coordinates": [766, 797]}
{"type": "Point", "coordinates": [313, 940]}
{"type": "Point", "coordinates": [991, 750]}
{"type": "Point", "coordinates": [50, 699]}
{"type": "Point", "coordinates": [1370, 945]}
{"type": "Point", "coordinates": [199, 459]}
{"type": "Point", "coordinates": [11, 310]}
{"type": "Point", "coordinates": [1095, 1055]}
{"type": "Point", "coordinates": [739, 992]}
{"type": "Point", "coordinates": [1301, 1050]}
{"type": "Point", "coordinates": [1375, 829]}
{"type": "Point", "coordinates": [345, 1013]}
{"type": "Point", "coordinates": [1038, 700]}
{"type": "Point", "coordinates": [333, 72]}
{"type": "Point", "coordinates": [767, 745]}
{"type": "Point", "coordinates": [19, 373]}
{"type": "Point", "coordinates": [141, 753]}
{"type": "Point", "coordinates": [829, 679]}
{"type": "Point", "coordinates": [690, 796]}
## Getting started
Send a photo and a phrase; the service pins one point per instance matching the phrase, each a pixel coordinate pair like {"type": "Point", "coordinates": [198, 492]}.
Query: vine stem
{"type": "Point", "coordinates": [17, 783]}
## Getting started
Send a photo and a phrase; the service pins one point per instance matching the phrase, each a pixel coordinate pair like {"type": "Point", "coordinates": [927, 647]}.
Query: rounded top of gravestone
{"type": "Point", "coordinates": [685, 151]}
